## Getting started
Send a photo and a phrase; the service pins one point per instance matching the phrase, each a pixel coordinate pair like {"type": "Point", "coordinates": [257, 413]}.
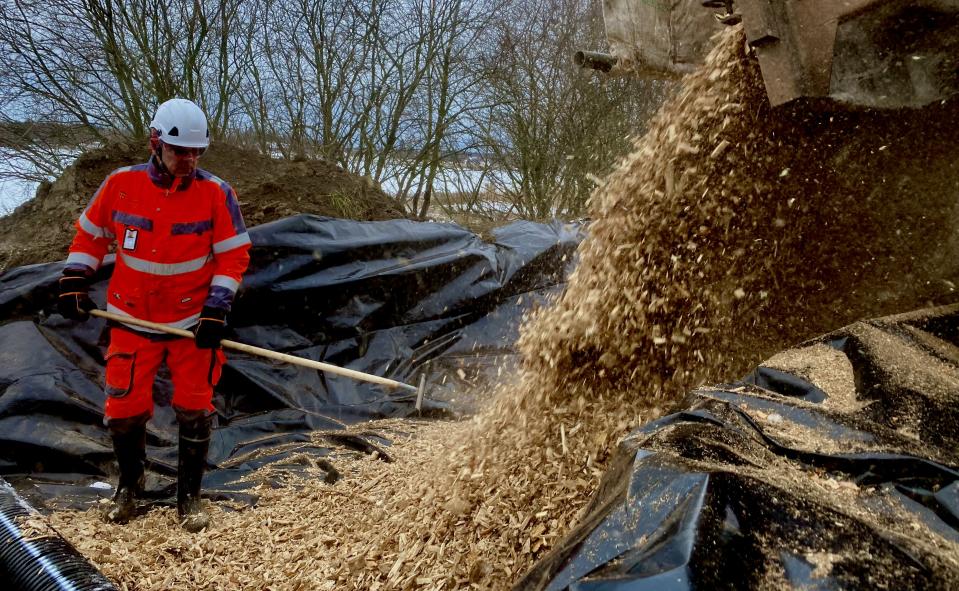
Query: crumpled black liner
{"type": "Point", "coordinates": [395, 299]}
{"type": "Point", "coordinates": [694, 500]}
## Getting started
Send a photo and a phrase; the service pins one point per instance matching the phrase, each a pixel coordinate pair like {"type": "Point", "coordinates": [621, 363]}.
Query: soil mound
{"type": "Point", "coordinates": [41, 229]}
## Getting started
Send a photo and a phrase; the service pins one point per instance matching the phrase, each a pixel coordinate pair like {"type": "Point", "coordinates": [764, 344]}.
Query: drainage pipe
{"type": "Point", "coordinates": [45, 563]}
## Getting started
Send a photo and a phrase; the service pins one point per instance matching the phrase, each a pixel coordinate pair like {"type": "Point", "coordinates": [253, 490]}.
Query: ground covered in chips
{"type": "Point", "coordinates": [731, 232]}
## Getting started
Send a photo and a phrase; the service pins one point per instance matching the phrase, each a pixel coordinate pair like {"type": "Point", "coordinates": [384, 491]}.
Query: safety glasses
{"type": "Point", "coordinates": [180, 151]}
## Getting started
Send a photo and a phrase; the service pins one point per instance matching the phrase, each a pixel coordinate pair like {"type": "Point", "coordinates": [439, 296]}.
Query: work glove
{"type": "Point", "coordinates": [211, 328]}
{"type": "Point", "coordinates": [74, 302]}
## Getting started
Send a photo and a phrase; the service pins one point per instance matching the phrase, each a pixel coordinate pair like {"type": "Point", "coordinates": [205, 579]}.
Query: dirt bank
{"type": "Point", "coordinates": [41, 229]}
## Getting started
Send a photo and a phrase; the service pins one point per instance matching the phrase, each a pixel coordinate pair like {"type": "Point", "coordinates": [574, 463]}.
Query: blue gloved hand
{"type": "Point", "coordinates": [74, 302]}
{"type": "Point", "coordinates": [211, 328]}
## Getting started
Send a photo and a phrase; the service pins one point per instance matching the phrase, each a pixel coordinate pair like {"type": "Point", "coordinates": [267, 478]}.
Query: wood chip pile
{"type": "Point", "coordinates": [729, 233]}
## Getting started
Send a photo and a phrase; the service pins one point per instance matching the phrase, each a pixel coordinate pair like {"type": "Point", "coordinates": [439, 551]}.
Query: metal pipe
{"type": "Point", "coordinates": [594, 60]}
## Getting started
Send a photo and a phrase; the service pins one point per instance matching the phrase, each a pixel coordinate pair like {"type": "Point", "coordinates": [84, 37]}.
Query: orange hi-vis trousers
{"type": "Point", "coordinates": [132, 364]}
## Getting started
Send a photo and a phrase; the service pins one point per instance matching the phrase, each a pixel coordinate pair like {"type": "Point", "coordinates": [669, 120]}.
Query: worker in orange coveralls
{"type": "Point", "coordinates": [182, 248]}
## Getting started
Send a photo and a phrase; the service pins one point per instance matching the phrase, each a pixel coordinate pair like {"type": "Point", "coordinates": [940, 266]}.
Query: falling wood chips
{"type": "Point", "coordinates": [701, 260]}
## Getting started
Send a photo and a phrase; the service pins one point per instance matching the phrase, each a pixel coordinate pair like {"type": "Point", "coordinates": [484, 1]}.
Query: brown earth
{"type": "Point", "coordinates": [40, 230]}
{"type": "Point", "coordinates": [732, 231]}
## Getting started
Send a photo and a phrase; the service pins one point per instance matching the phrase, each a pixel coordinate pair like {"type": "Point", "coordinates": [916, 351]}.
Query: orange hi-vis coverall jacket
{"type": "Point", "coordinates": [181, 245]}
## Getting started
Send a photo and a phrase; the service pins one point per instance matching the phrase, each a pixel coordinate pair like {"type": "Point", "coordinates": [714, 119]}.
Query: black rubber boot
{"type": "Point", "coordinates": [129, 446]}
{"type": "Point", "coordinates": [191, 462]}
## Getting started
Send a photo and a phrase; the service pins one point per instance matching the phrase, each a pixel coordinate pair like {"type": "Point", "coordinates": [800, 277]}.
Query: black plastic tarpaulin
{"type": "Point", "coordinates": [394, 299]}
{"type": "Point", "coordinates": [832, 466]}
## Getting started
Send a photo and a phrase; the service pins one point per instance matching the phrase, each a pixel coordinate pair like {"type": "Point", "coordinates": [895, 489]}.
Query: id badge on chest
{"type": "Point", "coordinates": [130, 238]}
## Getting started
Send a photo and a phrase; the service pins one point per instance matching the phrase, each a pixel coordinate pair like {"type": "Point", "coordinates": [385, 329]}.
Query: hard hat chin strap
{"type": "Point", "coordinates": [157, 146]}
{"type": "Point", "coordinates": [155, 143]}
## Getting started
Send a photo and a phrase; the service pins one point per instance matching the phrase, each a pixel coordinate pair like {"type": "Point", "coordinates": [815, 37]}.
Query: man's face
{"type": "Point", "coordinates": [180, 161]}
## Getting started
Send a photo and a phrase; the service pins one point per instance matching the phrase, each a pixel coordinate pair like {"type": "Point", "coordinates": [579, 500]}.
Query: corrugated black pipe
{"type": "Point", "coordinates": [42, 564]}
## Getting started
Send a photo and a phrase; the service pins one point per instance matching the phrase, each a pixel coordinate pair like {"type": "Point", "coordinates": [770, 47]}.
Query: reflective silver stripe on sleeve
{"type": "Point", "coordinates": [84, 259]}
{"type": "Point", "coordinates": [184, 323]}
{"type": "Point", "coordinates": [165, 268]}
{"type": "Point", "coordinates": [231, 243]}
{"type": "Point", "coordinates": [110, 258]}
{"type": "Point", "coordinates": [93, 229]}
{"type": "Point", "coordinates": [225, 281]}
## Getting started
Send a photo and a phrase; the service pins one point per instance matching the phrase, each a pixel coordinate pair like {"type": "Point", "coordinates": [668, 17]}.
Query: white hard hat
{"type": "Point", "coordinates": [180, 122]}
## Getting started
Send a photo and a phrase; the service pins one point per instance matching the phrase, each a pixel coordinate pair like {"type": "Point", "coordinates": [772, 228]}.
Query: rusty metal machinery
{"type": "Point", "coordinates": [869, 53]}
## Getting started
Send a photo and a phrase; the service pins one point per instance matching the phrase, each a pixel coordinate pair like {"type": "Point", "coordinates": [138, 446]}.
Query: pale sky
{"type": "Point", "coordinates": [14, 192]}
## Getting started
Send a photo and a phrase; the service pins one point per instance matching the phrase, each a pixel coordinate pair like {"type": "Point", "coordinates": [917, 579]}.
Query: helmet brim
{"type": "Point", "coordinates": [174, 141]}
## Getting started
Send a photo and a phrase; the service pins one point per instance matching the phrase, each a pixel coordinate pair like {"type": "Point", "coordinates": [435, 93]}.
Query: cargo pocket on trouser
{"type": "Point", "coordinates": [119, 373]}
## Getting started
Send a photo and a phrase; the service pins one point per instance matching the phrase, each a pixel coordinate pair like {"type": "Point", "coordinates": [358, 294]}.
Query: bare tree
{"type": "Point", "coordinates": [380, 87]}
{"type": "Point", "coordinates": [103, 65]}
{"type": "Point", "coordinates": [551, 124]}
{"type": "Point", "coordinates": [412, 94]}
{"type": "Point", "coordinates": [440, 111]}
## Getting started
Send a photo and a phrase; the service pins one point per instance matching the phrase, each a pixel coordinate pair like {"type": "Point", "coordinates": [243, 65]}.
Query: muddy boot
{"type": "Point", "coordinates": [129, 446]}
{"type": "Point", "coordinates": [191, 462]}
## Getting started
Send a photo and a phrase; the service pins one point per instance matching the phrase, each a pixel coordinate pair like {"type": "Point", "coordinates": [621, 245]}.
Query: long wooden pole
{"type": "Point", "coordinates": [227, 344]}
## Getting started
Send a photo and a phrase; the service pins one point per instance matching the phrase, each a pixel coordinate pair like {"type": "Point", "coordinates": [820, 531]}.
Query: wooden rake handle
{"type": "Point", "coordinates": [227, 344]}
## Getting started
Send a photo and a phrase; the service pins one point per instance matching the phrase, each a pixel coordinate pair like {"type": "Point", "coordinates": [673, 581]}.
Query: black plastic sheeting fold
{"type": "Point", "coordinates": [769, 483]}
{"type": "Point", "coordinates": [394, 299]}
